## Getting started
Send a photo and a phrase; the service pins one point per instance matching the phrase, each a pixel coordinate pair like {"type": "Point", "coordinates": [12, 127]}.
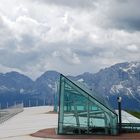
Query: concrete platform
{"type": "Point", "coordinates": [33, 119]}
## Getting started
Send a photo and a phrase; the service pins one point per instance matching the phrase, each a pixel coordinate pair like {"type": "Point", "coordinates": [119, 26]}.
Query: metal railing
{"type": "Point", "coordinates": [131, 127]}
{"type": "Point", "coordinates": [7, 113]}
{"type": "Point", "coordinates": [27, 103]}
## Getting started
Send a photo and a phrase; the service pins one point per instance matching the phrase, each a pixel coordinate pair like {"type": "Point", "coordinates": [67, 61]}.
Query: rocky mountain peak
{"type": "Point", "coordinates": [122, 79]}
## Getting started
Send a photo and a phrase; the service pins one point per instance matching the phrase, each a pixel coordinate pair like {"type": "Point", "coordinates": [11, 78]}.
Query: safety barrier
{"type": "Point", "coordinates": [131, 127]}
{"type": "Point", "coordinates": [6, 114]}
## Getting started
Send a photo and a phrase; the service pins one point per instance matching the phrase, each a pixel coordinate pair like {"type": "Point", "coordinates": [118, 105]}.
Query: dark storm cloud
{"type": "Point", "coordinates": [124, 14]}
{"type": "Point", "coordinates": [128, 24]}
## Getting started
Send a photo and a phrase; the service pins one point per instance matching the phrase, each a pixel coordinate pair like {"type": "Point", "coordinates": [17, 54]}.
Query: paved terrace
{"type": "Point", "coordinates": [31, 120]}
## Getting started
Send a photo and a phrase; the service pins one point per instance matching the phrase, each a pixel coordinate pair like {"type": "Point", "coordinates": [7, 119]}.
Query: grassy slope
{"type": "Point", "coordinates": [136, 114]}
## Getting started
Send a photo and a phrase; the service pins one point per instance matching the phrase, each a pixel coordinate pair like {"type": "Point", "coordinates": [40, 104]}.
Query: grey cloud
{"type": "Point", "coordinates": [1, 22]}
{"type": "Point", "coordinates": [4, 31]}
{"type": "Point", "coordinates": [33, 48]}
{"type": "Point", "coordinates": [94, 50]}
{"type": "Point", "coordinates": [28, 41]}
{"type": "Point", "coordinates": [86, 48]}
{"type": "Point", "coordinates": [129, 24]}
{"type": "Point", "coordinates": [71, 3]}
{"type": "Point", "coordinates": [17, 60]}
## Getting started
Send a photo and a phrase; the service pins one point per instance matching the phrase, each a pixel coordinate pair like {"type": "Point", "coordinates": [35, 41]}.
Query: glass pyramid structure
{"type": "Point", "coordinates": [83, 112]}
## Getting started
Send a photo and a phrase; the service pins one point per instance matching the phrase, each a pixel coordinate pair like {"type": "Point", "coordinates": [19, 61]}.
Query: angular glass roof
{"type": "Point", "coordinates": [82, 111]}
{"type": "Point", "coordinates": [93, 94]}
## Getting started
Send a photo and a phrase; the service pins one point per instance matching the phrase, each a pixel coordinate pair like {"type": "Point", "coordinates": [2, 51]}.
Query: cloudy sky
{"type": "Point", "coordinates": [70, 36]}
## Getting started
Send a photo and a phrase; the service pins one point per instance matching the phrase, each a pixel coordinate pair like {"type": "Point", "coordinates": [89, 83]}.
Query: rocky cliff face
{"type": "Point", "coordinates": [118, 80]}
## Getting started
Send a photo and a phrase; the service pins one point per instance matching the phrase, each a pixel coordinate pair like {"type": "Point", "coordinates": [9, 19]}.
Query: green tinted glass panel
{"type": "Point", "coordinates": [80, 112]}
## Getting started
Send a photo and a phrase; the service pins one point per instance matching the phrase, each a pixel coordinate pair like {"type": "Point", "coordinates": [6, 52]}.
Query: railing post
{"type": "Point", "coordinates": [29, 103]}
{"type": "Point", "coordinates": [36, 102]}
{"type": "Point", "coordinates": [120, 115]}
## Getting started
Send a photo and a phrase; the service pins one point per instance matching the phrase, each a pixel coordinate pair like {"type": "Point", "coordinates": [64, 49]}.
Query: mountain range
{"type": "Point", "coordinates": [122, 79]}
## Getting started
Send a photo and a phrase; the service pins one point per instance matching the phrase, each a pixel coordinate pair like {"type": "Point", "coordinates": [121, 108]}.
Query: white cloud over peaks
{"type": "Point", "coordinates": [68, 36]}
{"type": "Point", "coordinates": [132, 48]}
